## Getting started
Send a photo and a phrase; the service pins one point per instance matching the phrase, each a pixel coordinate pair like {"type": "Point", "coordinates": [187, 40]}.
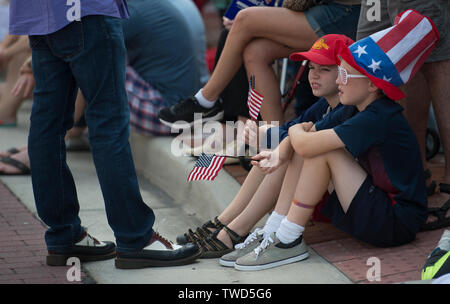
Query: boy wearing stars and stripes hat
{"type": "Point", "coordinates": [372, 159]}
{"type": "Point", "coordinates": [391, 57]}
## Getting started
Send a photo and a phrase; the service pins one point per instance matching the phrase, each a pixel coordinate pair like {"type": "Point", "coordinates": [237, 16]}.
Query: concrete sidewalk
{"type": "Point", "coordinates": [178, 205]}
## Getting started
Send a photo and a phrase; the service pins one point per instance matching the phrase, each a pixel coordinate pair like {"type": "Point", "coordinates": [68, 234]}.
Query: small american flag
{"type": "Point", "coordinates": [207, 167]}
{"type": "Point", "coordinates": [254, 103]}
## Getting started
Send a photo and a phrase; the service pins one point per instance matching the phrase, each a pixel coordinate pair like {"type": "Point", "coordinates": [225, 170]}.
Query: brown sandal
{"type": "Point", "coordinates": [200, 233]}
{"type": "Point", "coordinates": [212, 247]}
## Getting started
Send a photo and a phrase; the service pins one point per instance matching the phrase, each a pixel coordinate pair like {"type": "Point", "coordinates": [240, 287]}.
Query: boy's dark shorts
{"type": "Point", "coordinates": [371, 217]}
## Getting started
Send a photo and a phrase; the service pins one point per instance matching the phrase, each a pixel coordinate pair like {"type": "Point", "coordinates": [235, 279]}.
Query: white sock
{"type": "Point", "coordinates": [289, 232]}
{"type": "Point", "coordinates": [203, 101]}
{"type": "Point", "coordinates": [273, 222]}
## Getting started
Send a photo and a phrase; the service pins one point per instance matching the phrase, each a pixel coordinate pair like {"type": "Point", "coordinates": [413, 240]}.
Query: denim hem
{"type": "Point", "coordinates": [144, 243]}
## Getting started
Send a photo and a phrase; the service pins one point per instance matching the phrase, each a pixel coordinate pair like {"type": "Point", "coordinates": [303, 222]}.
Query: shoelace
{"type": "Point", "coordinates": [250, 239]}
{"type": "Point", "coordinates": [90, 240]}
{"type": "Point", "coordinates": [264, 244]}
{"type": "Point", "coordinates": [163, 240]}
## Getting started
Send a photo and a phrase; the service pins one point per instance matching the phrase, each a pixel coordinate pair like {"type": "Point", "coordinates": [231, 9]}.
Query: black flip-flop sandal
{"type": "Point", "coordinates": [24, 170]}
{"type": "Point", "coordinates": [439, 213]}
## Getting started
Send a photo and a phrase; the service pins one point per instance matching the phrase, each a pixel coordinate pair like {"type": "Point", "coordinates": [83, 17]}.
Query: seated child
{"type": "Point", "coordinates": [259, 192]}
{"type": "Point", "coordinates": [372, 159]}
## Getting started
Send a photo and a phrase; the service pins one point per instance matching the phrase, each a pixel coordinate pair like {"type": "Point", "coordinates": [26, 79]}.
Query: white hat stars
{"type": "Point", "coordinates": [375, 65]}
{"type": "Point", "coordinates": [360, 50]}
{"type": "Point", "coordinates": [387, 79]}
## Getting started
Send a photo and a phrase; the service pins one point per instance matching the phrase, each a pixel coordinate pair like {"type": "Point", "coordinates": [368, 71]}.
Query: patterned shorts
{"type": "Point", "coordinates": [145, 103]}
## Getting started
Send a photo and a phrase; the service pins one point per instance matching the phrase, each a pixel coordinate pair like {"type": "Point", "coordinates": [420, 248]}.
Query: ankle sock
{"type": "Point", "coordinates": [203, 101]}
{"type": "Point", "coordinates": [289, 231]}
{"type": "Point", "coordinates": [273, 222]}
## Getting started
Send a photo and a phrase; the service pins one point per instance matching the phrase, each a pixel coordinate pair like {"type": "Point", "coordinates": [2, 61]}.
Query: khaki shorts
{"type": "Point", "coordinates": [437, 10]}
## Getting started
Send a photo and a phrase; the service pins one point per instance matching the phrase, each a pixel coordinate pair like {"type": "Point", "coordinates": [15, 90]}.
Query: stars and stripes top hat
{"type": "Point", "coordinates": [391, 57]}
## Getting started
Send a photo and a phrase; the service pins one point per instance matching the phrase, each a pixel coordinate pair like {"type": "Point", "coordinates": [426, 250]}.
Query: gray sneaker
{"type": "Point", "coordinates": [250, 243]}
{"type": "Point", "coordinates": [272, 253]}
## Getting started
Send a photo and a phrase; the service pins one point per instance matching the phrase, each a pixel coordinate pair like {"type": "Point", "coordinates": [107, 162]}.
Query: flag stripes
{"type": "Point", "coordinates": [206, 168]}
{"type": "Point", "coordinates": [254, 103]}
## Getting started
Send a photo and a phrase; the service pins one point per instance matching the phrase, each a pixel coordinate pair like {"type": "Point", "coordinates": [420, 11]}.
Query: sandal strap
{"type": "Point", "coordinates": [203, 232]}
{"type": "Point", "coordinates": [235, 238]}
{"type": "Point", "coordinates": [444, 188]}
{"type": "Point", "coordinates": [212, 243]}
{"type": "Point", "coordinates": [15, 163]}
{"type": "Point", "coordinates": [217, 223]}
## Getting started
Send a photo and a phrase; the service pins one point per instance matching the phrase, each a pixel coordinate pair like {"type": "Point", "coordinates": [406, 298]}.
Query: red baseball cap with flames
{"type": "Point", "coordinates": [324, 51]}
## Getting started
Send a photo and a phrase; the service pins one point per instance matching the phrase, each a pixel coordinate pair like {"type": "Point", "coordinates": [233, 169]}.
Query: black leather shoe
{"type": "Point", "coordinates": [158, 253]}
{"type": "Point", "coordinates": [87, 249]}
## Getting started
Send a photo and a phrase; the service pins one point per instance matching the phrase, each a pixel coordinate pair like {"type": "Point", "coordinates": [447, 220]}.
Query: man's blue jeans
{"type": "Point", "coordinates": [89, 54]}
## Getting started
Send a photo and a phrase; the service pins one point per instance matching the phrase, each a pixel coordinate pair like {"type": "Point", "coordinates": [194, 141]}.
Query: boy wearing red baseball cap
{"type": "Point", "coordinates": [372, 159]}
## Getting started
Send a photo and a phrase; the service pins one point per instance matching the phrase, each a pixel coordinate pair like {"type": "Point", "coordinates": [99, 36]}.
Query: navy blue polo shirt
{"type": "Point", "coordinates": [315, 113]}
{"type": "Point", "coordinates": [385, 146]}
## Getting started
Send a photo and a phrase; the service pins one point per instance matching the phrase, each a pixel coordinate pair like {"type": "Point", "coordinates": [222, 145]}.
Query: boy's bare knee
{"type": "Point", "coordinates": [334, 155]}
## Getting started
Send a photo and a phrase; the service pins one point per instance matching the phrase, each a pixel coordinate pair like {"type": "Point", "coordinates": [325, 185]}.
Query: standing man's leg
{"type": "Point", "coordinates": [94, 60]}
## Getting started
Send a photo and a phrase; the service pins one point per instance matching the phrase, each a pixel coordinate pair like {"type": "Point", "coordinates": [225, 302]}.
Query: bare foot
{"type": "Point", "coordinates": [8, 154]}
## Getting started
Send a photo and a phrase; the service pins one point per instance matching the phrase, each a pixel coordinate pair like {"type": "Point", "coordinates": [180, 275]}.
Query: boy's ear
{"type": "Point", "coordinates": [372, 87]}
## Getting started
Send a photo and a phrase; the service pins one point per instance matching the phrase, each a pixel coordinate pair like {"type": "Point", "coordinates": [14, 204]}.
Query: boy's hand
{"type": "Point", "coordinates": [269, 161]}
{"type": "Point", "coordinates": [298, 128]}
{"type": "Point", "coordinates": [227, 23]}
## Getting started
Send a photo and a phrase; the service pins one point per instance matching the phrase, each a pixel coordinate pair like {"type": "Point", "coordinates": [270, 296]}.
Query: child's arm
{"type": "Point", "coordinates": [311, 143]}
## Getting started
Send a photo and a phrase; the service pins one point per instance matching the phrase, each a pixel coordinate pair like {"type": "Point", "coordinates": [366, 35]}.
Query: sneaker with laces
{"type": "Point", "coordinates": [250, 243]}
{"type": "Point", "coordinates": [273, 253]}
{"type": "Point", "coordinates": [87, 249]}
{"type": "Point", "coordinates": [159, 252]}
{"type": "Point", "coordinates": [181, 115]}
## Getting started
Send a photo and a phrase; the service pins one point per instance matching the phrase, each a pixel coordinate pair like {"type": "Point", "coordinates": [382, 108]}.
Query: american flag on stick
{"type": "Point", "coordinates": [207, 167]}
{"type": "Point", "coordinates": [254, 100]}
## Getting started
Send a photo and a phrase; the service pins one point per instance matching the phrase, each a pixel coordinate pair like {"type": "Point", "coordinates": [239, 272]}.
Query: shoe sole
{"type": "Point", "coordinates": [226, 263]}
{"type": "Point", "coordinates": [187, 125]}
{"type": "Point", "coordinates": [272, 265]}
{"type": "Point", "coordinates": [214, 254]}
{"type": "Point", "coordinates": [123, 263]}
{"type": "Point", "coordinates": [61, 259]}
